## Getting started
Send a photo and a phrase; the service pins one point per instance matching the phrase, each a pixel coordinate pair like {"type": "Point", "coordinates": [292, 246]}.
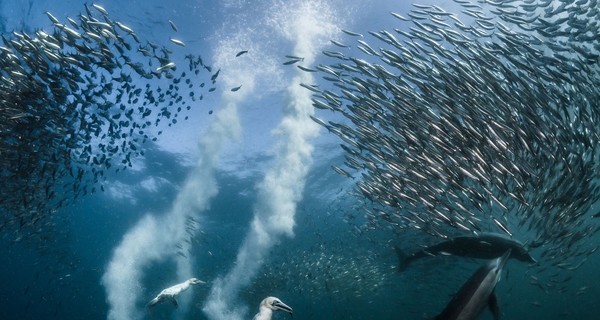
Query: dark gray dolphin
{"type": "Point", "coordinates": [477, 293]}
{"type": "Point", "coordinates": [481, 246]}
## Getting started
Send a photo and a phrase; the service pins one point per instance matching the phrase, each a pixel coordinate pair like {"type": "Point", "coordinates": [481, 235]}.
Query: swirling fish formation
{"type": "Point", "coordinates": [78, 101]}
{"type": "Point", "coordinates": [486, 124]}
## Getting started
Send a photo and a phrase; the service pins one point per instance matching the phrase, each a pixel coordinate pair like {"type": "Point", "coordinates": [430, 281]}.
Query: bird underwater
{"type": "Point", "coordinates": [170, 293]}
{"type": "Point", "coordinates": [479, 125]}
{"type": "Point", "coordinates": [270, 304]}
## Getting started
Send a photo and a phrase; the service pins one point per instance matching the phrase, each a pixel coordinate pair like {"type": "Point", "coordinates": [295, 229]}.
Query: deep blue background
{"type": "Point", "coordinates": [335, 267]}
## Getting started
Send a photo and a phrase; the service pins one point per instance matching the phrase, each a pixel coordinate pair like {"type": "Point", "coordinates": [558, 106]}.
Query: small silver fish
{"type": "Point", "coordinates": [177, 42]}
{"type": "Point", "coordinates": [173, 26]}
{"type": "Point", "coordinates": [165, 67]}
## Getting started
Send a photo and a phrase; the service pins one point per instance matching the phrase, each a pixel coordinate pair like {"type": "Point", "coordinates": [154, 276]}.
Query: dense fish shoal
{"type": "Point", "coordinates": [79, 100]}
{"type": "Point", "coordinates": [484, 120]}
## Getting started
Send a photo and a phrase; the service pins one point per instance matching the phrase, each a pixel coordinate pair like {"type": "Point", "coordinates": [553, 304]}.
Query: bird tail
{"type": "Point", "coordinates": [152, 303]}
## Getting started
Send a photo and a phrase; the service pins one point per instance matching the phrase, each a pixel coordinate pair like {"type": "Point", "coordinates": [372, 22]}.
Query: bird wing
{"type": "Point", "coordinates": [172, 299]}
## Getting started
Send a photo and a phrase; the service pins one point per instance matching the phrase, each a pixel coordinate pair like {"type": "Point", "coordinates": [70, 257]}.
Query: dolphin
{"type": "Point", "coordinates": [480, 246]}
{"type": "Point", "coordinates": [477, 293]}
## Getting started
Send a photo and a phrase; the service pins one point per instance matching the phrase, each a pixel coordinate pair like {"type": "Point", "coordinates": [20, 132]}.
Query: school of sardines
{"type": "Point", "coordinates": [486, 120]}
{"type": "Point", "coordinates": [77, 101]}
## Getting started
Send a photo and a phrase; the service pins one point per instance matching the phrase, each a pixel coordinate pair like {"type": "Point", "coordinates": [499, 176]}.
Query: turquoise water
{"type": "Point", "coordinates": [326, 260]}
{"type": "Point", "coordinates": [38, 286]}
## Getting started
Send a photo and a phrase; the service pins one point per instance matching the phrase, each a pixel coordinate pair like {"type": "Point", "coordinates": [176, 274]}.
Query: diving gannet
{"type": "Point", "coordinates": [268, 305]}
{"type": "Point", "coordinates": [170, 292]}
{"type": "Point", "coordinates": [480, 246]}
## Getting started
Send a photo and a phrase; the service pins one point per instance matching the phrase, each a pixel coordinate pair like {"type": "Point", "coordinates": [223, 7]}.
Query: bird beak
{"type": "Point", "coordinates": [278, 305]}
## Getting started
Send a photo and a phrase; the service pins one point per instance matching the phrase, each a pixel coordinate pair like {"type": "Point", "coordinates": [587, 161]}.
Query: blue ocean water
{"type": "Point", "coordinates": [357, 278]}
{"type": "Point", "coordinates": [335, 265]}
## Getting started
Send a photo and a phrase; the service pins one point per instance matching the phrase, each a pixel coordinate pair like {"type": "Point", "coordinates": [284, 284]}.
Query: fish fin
{"type": "Point", "coordinates": [402, 259]}
{"type": "Point", "coordinates": [493, 304]}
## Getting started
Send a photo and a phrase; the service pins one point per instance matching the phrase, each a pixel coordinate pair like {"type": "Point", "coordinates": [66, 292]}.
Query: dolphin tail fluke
{"type": "Point", "coordinates": [403, 259]}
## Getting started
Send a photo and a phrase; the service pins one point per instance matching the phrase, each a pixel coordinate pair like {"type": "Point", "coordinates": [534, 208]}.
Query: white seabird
{"type": "Point", "coordinates": [268, 305]}
{"type": "Point", "coordinates": [170, 292]}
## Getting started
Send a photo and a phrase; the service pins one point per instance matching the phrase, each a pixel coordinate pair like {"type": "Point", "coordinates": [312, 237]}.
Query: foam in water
{"type": "Point", "coordinates": [154, 238]}
{"type": "Point", "coordinates": [307, 24]}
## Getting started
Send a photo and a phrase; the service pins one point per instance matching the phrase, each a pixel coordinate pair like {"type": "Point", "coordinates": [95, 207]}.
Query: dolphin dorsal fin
{"type": "Point", "coordinates": [493, 304]}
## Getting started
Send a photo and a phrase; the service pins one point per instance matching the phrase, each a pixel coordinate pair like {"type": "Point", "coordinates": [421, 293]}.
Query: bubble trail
{"type": "Point", "coordinates": [281, 189]}
{"type": "Point", "coordinates": [155, 238]}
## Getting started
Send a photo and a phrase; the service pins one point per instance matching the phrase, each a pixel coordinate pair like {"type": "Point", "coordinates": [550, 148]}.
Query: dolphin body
{"type": "Point", "coordinates": [481, 246]}
{"type": "Point", "coordinates": [477, 293]}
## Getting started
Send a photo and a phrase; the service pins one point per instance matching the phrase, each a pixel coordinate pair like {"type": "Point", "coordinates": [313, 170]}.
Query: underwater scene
{"type": "Point", "coordinates": [299, 159]}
